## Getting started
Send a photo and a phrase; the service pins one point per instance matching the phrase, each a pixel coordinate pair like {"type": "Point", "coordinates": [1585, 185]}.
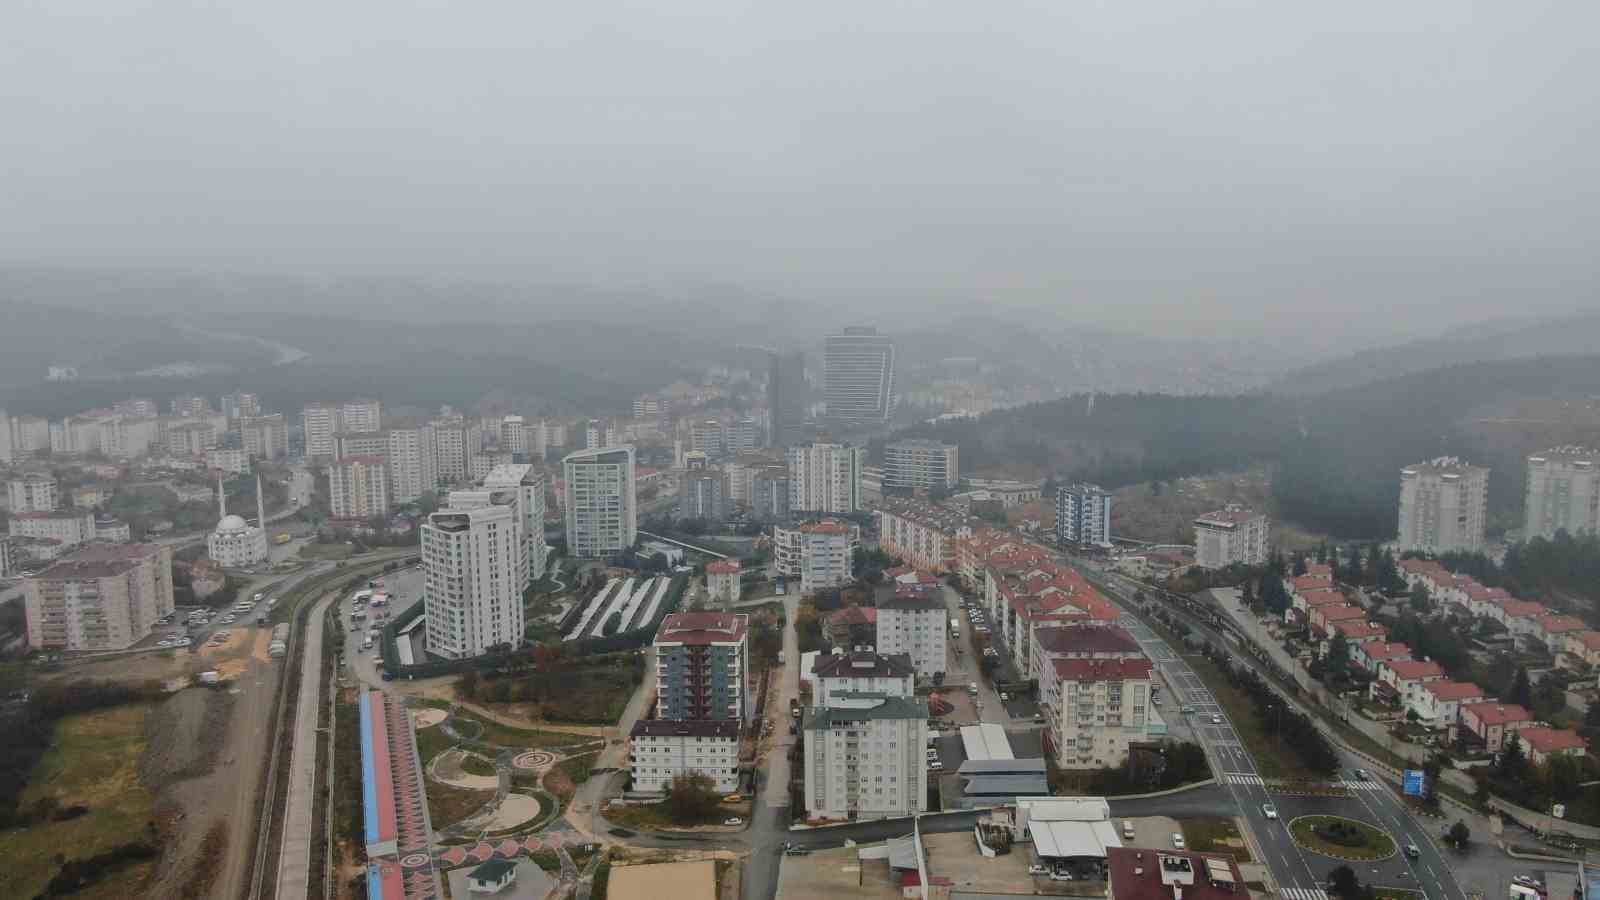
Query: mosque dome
{"type": "Point", "coordinates": [232, 524]}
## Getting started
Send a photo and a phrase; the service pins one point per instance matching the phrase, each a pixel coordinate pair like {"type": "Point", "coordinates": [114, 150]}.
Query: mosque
{"type": "Point", "coordinates": [236, 543]}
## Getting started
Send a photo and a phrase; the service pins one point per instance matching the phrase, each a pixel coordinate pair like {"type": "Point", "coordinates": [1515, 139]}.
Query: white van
{"type": "Point", "coordinates": [1127, 830]}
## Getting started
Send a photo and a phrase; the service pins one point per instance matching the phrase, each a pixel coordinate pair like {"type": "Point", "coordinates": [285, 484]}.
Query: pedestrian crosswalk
{"type": "Point", "coordinates": [1241, 778]}
{"type": "Point", "coordinates": [1361, 785]}
{"type": "Point", "coordinates": [1296, 893]}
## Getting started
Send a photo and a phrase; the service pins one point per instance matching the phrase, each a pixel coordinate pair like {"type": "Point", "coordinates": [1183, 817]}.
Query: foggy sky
{"type": "Point", "coordinates": [1179, 167]}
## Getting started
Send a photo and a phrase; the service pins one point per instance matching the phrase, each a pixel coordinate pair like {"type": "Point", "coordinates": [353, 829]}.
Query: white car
{"type": "Point", "coordinates": [733, 820]}
{"type": "Point", "coordinates": [183, 642]}
{"type": "Point", "coordinates": [168, 642]}
{"type": "Point", "coordinates": [1177, 841]}
{"type": "Point", "coordinates": [1268, 810]}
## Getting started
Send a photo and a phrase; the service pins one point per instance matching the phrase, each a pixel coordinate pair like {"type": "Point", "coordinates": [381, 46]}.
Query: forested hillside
{"type": "Point", "coordinates": [1336, 456]}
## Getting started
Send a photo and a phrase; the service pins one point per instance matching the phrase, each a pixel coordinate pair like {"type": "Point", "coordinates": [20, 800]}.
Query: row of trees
{"type": "Point", "coordinates": [1563, 568]}
{"type": "Point", "coordinates": [1277, 718]}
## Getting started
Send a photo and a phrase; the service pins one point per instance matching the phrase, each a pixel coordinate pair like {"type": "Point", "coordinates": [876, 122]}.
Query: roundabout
{"type": "Point", "coordinates": [1345, 839]}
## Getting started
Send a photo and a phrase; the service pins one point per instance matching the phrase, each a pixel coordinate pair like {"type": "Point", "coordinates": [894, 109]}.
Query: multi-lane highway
{"type": "Point", "coordinates": [1300, 874]}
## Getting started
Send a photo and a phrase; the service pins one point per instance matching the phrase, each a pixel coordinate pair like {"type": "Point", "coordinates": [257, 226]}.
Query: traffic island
{"type": "Point", "coordinates": [1341, 838]}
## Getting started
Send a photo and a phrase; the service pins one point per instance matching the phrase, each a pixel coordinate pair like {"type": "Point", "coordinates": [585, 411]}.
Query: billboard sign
{"type": "Point", "coordinates": [1413, 782]}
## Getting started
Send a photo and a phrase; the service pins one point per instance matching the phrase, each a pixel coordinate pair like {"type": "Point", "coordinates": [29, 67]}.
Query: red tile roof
{"type": "Point", "coordinates": [1408, 670]}
{"type": "Point", "coordinates": [1314, 599]}
{"type": "Point", "coordinates": [1383, 652]}
{"type": "Point", "coordinates": [1521, 608]}
{"type": "Point", "coordinates": [1102, 669]}
{"type": "Point", "coordinates": [1320, 569]}
{"type": "Point", "coordinates": [723, 567]}
{"type": "Point", "coordinates": [702, 628]}
{"type": "Point", "coordinates": [1137, 875]}
{"type": "Point", "coordinates": [1312, 583]}
{"type": "Point", "coordinates": [1551, 740]}
{"type": "Point", "coordinates": [854, 615]}
{"type": "Point", "coordinates": [1589, 639]}
{"type": "Point", "coordinates": [1356, 631]}
{"type": "Point", "coordinates": [1453, 690]}
{"type": "Point", "coordinates": [1086, 639]}
{"type": "Point", "coordinates": [1497, 713]}
{"type": "Point", "coordinates": [1558, 624]}
{"type": "Point", "coordinates": [1333, 614]}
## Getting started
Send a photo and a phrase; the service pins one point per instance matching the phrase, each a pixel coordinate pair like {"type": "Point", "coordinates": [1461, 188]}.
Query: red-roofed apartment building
{"type": "Point", "coordinates": [702, 664]}
{"type": "Point", "coordinates": [1438, 704]}
{"type": "Point", "coordinates": [1081, 642]}
{"type": "Point", "coordinates": [1554, 628]}
{"type": "Point", "coordinates": [1585, 645]}
{"type": "Point", "coordinates": [1370, 655]}
{"type": "Point", "coordinates": [1302, 603]}
{"type": "Point", "coordinates": [1023, 601]}
{"type": "Point", "coordinates": [722, 581]}
{"type": "Point", "coordinates": [1405, 679]}
{"type": "Point", "coordinates": [1542, 743]}
{"type": "Point", "coordinates": [1491, 722]}
{"type": "Point", "coordinates": [1095, 708]}
{"type": "Point", "coordinates": [1324, 618]}
{"type": "Point", "coordinates": [1520, 617]}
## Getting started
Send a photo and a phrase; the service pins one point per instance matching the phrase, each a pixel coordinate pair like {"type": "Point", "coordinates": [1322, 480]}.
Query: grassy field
{"type": "Point", "coordinates": [95, 763]}
{"type": "Point", "coordinates": [508, 736]}
{"type": "Point", "coordinates": [327, 551]}
{"type": "Point", "coordinates": [477, 765]}
{"type": "Point", "coordinates": [449, 805]}
{"type": "Point", "coordinates": [1215, 836]}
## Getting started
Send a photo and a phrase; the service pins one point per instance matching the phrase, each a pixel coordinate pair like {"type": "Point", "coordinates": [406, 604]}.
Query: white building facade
{"type": "Point", "coordinates": [818, 553]}
{"type": "Point", "coordinates": [921, 465]}
{"type": "Point", "coordinates": [825, 478]}
{"type": "Point", "coordinates": [663, 749]}
{"type": "Point", "coordinates": [1096, 708]}
{"type": "Point", "coordinates": [915, 624]}
{"type": "Point", "coordinates": [1563, 492]}
{"type": "Point", "coordinates": [1442, 506]}
{"type": "Point", "coordinates": [865, 756]}
{"type": "Point", "coordinates": [601, 509]}
{"type": "Point", "coordinates": [472, 587]}
{"type": "Point", "coordinates": [1230, 535]}
{"type": "Point", "coordinates": [529, 483]}
{"type": "Point", "coordinates": [33, 493]}
{"type": "Point", "coordinates": [358, 487]}
{"type": "Point", "coordinates": [1083, 515]}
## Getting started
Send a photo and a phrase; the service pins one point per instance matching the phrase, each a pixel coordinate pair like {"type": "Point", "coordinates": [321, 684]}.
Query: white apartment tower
{"type": "Point", "coordinates": [413, 465]}
{"type": "Point", "coordinates": [818, 553]}
{"type": "Point", "coordinates": [361, 415]}
{"type": "Point", "coordinates": [472, 586]}
{"type": "Point", "coordinates": [913, 623]}
{"type": "Point", "coordinates": [529, 484]}
{"type": "Point", "coordinates": [33, 493]}
{"type": "Point", "coordinates": [601, 511]}
{"type": "Point", "coordinates": [1095, 708]}
{"type": "Point", "coordinates": [864, 756]}
{"type": "Point", "coordinates": [358, 487]}
{"type": "Point", "coordinates": [1563, 492]}
{"type": "Point", "coordinates": [1442, 504]}
{"type": "Point", "coordinates": [921, 465]}
{"type": "Point", "coordinates": [321, 423]}
{"type": "Point", "coordinates": [858, 377]}
{"type": "Point", "coordinates": [1230, 535]}
{"type": "Point", "coordinates": [825, 478]}
{"type": "Point", "coordinates": [451, 449]}
{"type": "Point", "coordinates": [1083, 515]}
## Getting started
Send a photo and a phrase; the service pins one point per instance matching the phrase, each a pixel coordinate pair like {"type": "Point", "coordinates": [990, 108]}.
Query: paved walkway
{"type": "Point", "coordinates": [294, 855]}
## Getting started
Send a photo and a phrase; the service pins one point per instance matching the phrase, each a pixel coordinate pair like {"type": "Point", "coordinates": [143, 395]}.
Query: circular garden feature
{"type": "Point", "coordinates": [1342, 838]}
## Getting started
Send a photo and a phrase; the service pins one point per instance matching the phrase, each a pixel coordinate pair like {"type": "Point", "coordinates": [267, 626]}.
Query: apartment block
{"type": "Point", "coordinates": [1083, 515]}
{"type": "Point", "coordinates": [786, 398]}
{"type": "Point", "coordinates": [321, 423]}
{"type": "Point", "coordinates": [1230, 535]}
{"type": "Point", "coordinates": [1563, 492]}
{"type": "Point", "coordinates": [69, 527]}
{"type": "Point", "coordinates": [601, 506]}
{"type": "Point", "coordinates": [191, 438]}
{"type": "Point", "coordinates": [703, 494]}
{"type": "Point", "coordinates": [703, 666]}
{"type": "Point", "coordinates": [769, 494]}
{"type": "Point", "coordinates": [1442, 504]}
{"type": "Point", "coordinates": [358, 487]}
{"type": "Point", "coordinates": [818, 553]}
{"type": "Point", "coordinates": [1096, 709]}
{"type": "Point", "coordinates": [921, 465]}
{"type": "Point", "coordinates": [660, 750]}
{"type": "Point", "coordinates": [723, 581]}
{"type": "Point", "coordinates": [923, 534]}
{"type": "Point", "coordinates": [360, 443]}
{"type": "Point", "coordinates": [825, 478]}
{"type": "Point", "coordinates": [529, 483]}
{"type": "Point", "coordinates": [264, 437]}
{"type": "Point", "coordinates": [864, 756]}
{"type": "Point", "coordinates": [33, 493]}
{"type": "Point", "coordinates": [473, 589]}
{"type": "Point", "coordinates": [103, 597]}
{"type": "Point", "coordinates": [858, 671]}
{"type": "Point", "coordinates": [361, 415]}
{"type": "Point", "coordinates": [1081, 642]}
{"type": "Point", "coordinates": [915, 622]}
{"type": "Point", "coordinates": [233, 461]}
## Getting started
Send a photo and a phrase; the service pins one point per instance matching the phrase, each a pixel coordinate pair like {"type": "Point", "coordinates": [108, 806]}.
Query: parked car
{"type": "Point", "coordinates": [733, 820]}
{"type": "Point", "coordinates": [1177, 841]}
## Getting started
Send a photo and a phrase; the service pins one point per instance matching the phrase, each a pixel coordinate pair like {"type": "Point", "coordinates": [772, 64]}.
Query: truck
{"type": "Point", "coordinates": [280, 640]}
{"type": "Point", "coordinates": [281, 537]}
{"type": "Point", "coordinates": [210, 677]}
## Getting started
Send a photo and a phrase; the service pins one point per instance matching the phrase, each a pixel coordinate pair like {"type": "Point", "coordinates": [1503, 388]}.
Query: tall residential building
{"type": "Point", "coordinates": [703, 666]}
{"type": "Point", "coordinates": [29, 434]}
{"type": "Point", "coordinates": [361, 415]}
{"type": "Point", "coordinates": [786, 398]}
{"type": "Point", "coordinates": [103, 597]}
{"type": "Point", "coordinates": [825, 478]}
{"type": "Point", "coordinates": [264, 437]}
{"type": "Point", "coordinates": [33, 492]}
{"type": "Point", "coordinates": [1083, 515]}
{"type": "Point", "coordinates": [190, 405]}
{"type": "Point", "coordinates": [472, 587]}
{"type": "Point", "coordinates": [413, 465]}
{"type": "Point", "coordinates": [1230, 535]}
{"type": "Point", "coordinates": [8, 440]}
{"type": "Point", "coordinates": [513, 435]}
{"type": "Point", "coordinates": [360, 443]}
{"type": "Point", "coordinates": [530, 485]}
{"type": "Point", "coordinates": [452, 438]}
{"type": "Point", "coordinates": [923, 534]}
{"type": "Point", "coordinates": [1563, 492]}
{"type": "Point", "coordinates": [128, 437]}
{"type": "Point", "coordinates": [358, 487]}
{"type": "Point", "coordinates": [1096, 708]}
{"type": "Point", "coordinates": [921, 465]}
{"type": "Point", "coordinates": [864, 756]}
{"type": "Point", "coordinates": [601, 510]}
{"type": "Point", "coordinates": [913, 622]}
{"type": "Point", "coordinates": [191, 439]}
{"type": "Point", "coordinates": [707, 436]}
{"type": "Point", "coordinates": [859, 376]}
{"type": "Point", "coordinates": [9, 557]}
{"type": "Point", "coordinates": [1442, 505]}
{"type": "Point", "coordinates": [820, 553]}
{"type": "Point", "coordinates": [703, 494]}
{"type": "Point", "coordinates": [234, 462]}
{"type": "Point", "coordinates": [241, 405]}
{"type": "Point", "coordinates": [321, 423]}
{"type": "Point", "coordinates": [769, 494]}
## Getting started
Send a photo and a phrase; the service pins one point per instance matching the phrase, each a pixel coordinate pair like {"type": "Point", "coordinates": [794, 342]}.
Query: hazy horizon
{"type": "Point", "coordinates": [1354, 172]}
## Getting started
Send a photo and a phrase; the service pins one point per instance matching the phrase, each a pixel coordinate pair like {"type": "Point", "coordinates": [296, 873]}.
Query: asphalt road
{"type": "Point", "coordinates": [294, 853]}
{"type": "Point", "coordinates": [1300, 874]}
